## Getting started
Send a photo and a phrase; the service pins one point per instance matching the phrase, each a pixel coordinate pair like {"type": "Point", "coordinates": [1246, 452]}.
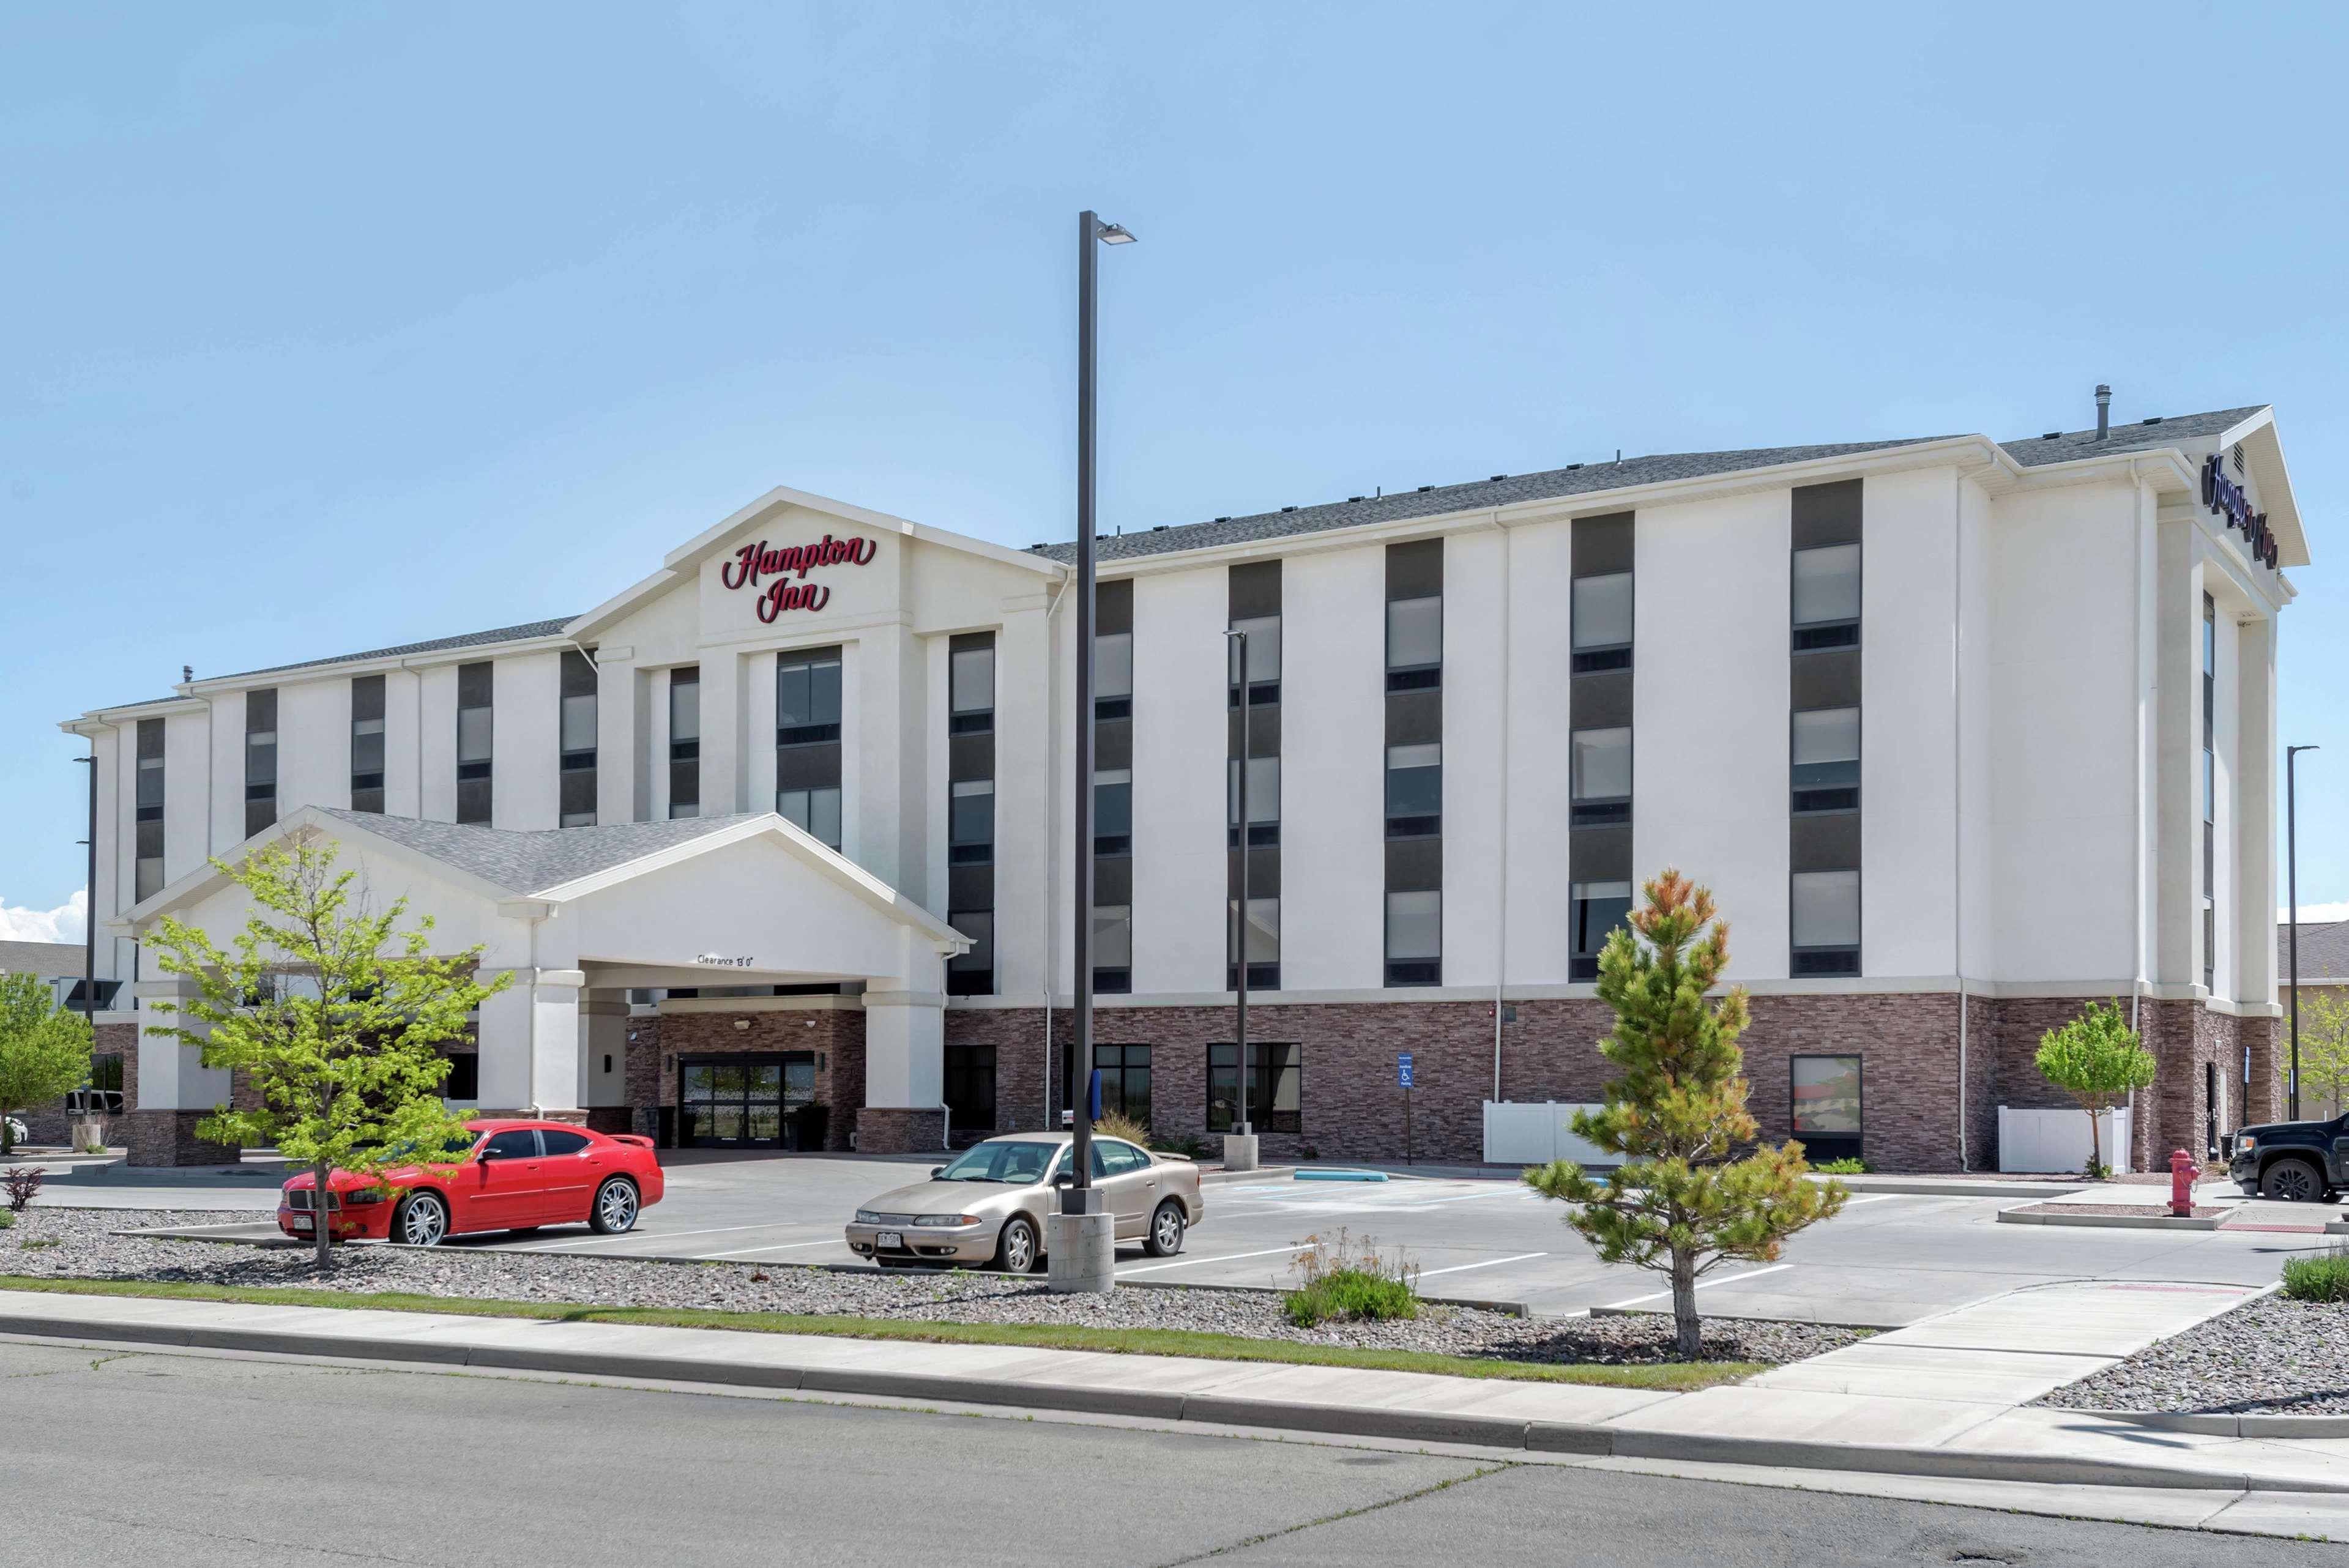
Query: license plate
{"type": "Point", "coordinates": [301, 1221]}
{"type": "Point", "coordinates": [889, 1239]}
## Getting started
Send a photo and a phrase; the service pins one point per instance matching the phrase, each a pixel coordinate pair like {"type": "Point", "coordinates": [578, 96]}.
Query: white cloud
{"type": "Point", "coordinates": [63, 923]}
{"type": "Point", "coordinates": [2316, 914]}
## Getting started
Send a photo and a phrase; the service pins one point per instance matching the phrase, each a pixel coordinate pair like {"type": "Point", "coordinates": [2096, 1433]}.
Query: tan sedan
{"type": "Point", "coordinates": [987, 1205]}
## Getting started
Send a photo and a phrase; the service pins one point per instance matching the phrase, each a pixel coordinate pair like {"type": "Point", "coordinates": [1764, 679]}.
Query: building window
{"type": "Point", "coordinates": [1263, 804]}
{"type": "Point", "coordinates": [2210, 793]}
{"type": "Point", "coordinates": [971, 1087]}
{"type": "Point", "coordinates": [1125, 1079]}
{"type": "Point", "coordinates": [1114, 948]}
{"type": "Point", "coordinates": [147, 872]}
{"type": "Point", "coordinates": [367, 743]}
{"type": "Point", "coordinates": [260, 760]}
{"type": "Point", "coordinates": [1602, 622]}
{"type": "Point", "coordinates": [1825, 751]}
{"type": "Point", "coordinates": [1262, 661]}
{"type": "Point", "coordinates": [971, 694]}
{"type": "Point", "coordinates": [464, 1079]}
{"type": "Point", "coordinates": [1596, 909]}
{"type": "Point", "coordinates": [1824, 1099]}
{"type": "Point", "coordinates": [1415, 643]}
{"type": "Point", "coordinates": [1599, 777]}
{"type": "Point", "coordinates": [1262, 928]}
{"type": "Point", "coordinates": [476, 687]}
{"type": "Point", "coordinates": [1414, 791]}
{"type": "Point", "coordinates": [1827, 597]}
{"type": "Point", "coordinates": [1415, 938]}
{"type": "Point", "coordinates": [1276, 1088]}
{"type": "Point", "coordinates": [1825, 918]}
{"type": "Point", "coordinates": [102, 1095]}
{"type": "Point", "coordinates": [972, 973]}
{"type": "Point", "coordinates": [807, 742]}
{"type": "Point", "coordinates": [1113, 676]}
{"type": "Point", "coordinates": [576, 739]}
{"type": "Point", "coordinates": [1113, 812]}
{"type": "Point", "coordinates": [971, 834]}
{"type": "Point", "coordinates": [685, 741]}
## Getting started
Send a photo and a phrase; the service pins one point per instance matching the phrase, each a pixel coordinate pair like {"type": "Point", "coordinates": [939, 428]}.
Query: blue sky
{"type": "Point", "coordinates": [331, 328]}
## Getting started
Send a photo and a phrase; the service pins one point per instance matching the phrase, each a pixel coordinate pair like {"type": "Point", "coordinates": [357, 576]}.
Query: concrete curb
{"type": "Point", "coordinates": [1350, 1421]}
{"type": "Point", "coordinates": [2255, 1424]}
{"type": "Point", "coordinates": [2112, 1222]}
{"type": "Point", "coordinates": [1931, 1188]}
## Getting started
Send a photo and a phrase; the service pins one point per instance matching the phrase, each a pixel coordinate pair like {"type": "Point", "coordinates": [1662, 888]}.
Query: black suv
{"type": "Point", "coordinates": [2301, 1161]}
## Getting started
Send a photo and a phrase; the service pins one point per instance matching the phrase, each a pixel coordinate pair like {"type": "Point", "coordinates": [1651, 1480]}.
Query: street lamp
{"type": "Point", "coordinates": [1239, 1144]}
{"type": "Point", "coordinates": [2291, 895]}
{"type": "Point", "coordinates": [1083, 1252]}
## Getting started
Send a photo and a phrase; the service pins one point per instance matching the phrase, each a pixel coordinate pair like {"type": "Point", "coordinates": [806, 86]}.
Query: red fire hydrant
{"type": "Point", "coordinates": [2181, 1183]}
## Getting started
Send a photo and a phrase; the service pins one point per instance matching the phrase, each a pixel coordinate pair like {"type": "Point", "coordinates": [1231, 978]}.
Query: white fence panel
{"type": "Point", "coordinates": [2058, 1140]}
{"type": "Point", "coordinates": [1521, 1133]}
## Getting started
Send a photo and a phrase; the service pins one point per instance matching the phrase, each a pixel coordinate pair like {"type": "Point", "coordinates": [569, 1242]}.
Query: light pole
{"type": "Point", "coordinates": [2292, 896]}
{"type": "Point", "coordinates": [1240, 1146]}
{"type": "Point", "coordinates": [1081, 1250]}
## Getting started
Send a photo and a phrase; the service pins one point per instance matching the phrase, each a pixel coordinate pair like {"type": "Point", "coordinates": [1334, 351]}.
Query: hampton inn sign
{"type": "Point", "coordinates": [2225, 496]}
{"type": "Point", "coordinates": [788, 566]}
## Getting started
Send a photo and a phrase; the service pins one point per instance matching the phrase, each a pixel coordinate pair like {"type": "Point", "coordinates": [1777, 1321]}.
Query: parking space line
{"type": "Point", "coordinates": [779, 1247]}
{"type": "Point", "coordinates": [1488, 1263]}
{"type": "Point", "coordinates": [648, 1235]}
{"type": "Point", "coordinates": [1718, 1279]}
{"type": "Point", "coordinates": [1225, 1258]}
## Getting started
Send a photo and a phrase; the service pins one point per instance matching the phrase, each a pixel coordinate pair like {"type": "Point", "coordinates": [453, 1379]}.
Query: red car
{"type": "Point", "coordinates": [514, 1176]}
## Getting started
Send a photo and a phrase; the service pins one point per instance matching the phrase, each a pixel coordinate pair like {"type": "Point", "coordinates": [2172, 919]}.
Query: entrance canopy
{"type": "Point", "coordinates": [739, 900]}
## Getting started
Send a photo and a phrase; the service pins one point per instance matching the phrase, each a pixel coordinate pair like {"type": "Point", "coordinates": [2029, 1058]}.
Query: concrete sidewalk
{"type": "Point", "coordinates": [1942, 1399]}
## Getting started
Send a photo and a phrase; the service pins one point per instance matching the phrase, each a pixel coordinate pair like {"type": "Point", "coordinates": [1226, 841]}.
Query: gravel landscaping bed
{"type": "Point", "coordinates": [2268, 1356]}
{"type": "Point", "coordinates": [86, 1246]}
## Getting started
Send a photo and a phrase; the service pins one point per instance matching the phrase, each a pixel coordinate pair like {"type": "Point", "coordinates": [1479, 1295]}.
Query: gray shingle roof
{"type": "Point", "coordinates": [1592, 479]}
{"type": "Point", "coordinates": [535, 860]}
{"type": "Point", "coordinates": [47, 959]}
{"type": "Point", "coordinates": [2323, 951]}
{"type": "Point", "coordinates": [523, 632]}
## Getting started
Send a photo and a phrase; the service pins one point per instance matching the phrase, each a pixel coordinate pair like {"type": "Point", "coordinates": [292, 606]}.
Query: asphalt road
{"type": "Point", "coordinates": [243, 1463]}
{"type": "Point", "coordinates": [1888, 1260]}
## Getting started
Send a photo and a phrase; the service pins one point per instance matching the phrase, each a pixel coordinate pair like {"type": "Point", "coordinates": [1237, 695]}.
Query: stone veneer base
{"type": "Point", "coordinates": [168, 1138]}
{"type": "Point", "coordinates": [883, 1129]}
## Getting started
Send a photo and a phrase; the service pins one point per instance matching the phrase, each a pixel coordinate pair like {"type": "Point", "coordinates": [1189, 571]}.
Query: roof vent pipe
{"type": "Point", "coordinates": [2104, 410]}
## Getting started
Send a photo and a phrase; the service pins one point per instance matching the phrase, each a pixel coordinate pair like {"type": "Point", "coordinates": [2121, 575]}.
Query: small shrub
{"type": "Point", "coordinates": [1117, 1124]}
{"type": "Point", "coordinates": [2321, 1278]}
{"type": "Point", "coordinates": [1846, 1166]}
{"type": "Point", "coordinates": [21, 1183]}
{"type": "Point", "coordinates": [1181, 1143]}
{"type": "Point", "coordinates": [1340, 1282]}
{"type": "Point", "coordinates": [39, 1244]}
{"type": "Point", "coordinates": [6, 1219]}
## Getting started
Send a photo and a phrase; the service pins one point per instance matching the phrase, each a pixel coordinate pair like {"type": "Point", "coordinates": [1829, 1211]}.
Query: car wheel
{"type": "Point", "coordinates": [1015, 1250]}
{"type": "Point", "coordinates": [1165, 1237]}
{"type": "Point", "coordinates": [2292, 1182]}
{"type": "Point", "coordinates": [421, 1220]}
{"type": "Point", "coordinates": [615, 1207]}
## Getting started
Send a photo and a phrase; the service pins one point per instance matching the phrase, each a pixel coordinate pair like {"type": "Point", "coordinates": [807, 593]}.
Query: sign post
{"type": "Point", "coordinates": [1403, 1076]}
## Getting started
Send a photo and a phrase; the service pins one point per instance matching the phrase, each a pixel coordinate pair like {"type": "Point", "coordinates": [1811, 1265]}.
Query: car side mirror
{"type": "Point", "coordinates": [487, 1154]}
{"type": "Point", "coordinates": [936, 1171]}
{"type": "Point", "coordinates": [1063, 1177]}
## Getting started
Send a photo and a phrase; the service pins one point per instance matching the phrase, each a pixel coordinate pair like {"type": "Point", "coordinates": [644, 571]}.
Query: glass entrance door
{"type": "Point", "coordinates": [730, 1102]}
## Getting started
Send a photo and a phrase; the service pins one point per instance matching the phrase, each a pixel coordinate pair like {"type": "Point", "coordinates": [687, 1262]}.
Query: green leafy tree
{"type": "Point", "coordinates": [333, 1015]}
{"type": "Point", "coordinates": [1681, 1202]}
{"type": "Point", "coordinates": [2324, 1049]}
{"type": "Point", "coordinates": [44, 1048]}
{"type": "Point", "coordinates": [2095, 1059]}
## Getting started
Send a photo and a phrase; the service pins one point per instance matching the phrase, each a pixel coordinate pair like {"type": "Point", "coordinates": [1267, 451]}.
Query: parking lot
{"type": "Point", "coordinates": [1889, 1259]}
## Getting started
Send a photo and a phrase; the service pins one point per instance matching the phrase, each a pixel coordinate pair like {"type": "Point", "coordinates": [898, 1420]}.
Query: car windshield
{"type": "Point", "coordinates": [1016, 1163]}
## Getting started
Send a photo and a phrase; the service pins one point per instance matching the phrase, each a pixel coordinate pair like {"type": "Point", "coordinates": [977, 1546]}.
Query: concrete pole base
{"type": "Point", "coordinates": [1239, 1151]}
{"type": "Point", "coordinates": [1081, 1253]}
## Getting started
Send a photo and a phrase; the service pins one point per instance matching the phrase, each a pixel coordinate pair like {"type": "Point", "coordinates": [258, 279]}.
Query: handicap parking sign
{"type": "Point", "coordinates": [1402, 1069]}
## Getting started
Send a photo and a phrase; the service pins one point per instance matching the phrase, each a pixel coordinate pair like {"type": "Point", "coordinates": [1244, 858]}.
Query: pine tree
{"type": "Point", "coordinates": [1681, 1202]}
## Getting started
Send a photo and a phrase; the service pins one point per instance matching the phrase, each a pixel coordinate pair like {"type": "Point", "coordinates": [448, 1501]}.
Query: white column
{"type": "Point", "coordinates": [618, 735]}
{"type": "Point", "coordinates": [531, 1043]}
{"type": "Point", "coordinates": [904, 1049]}
{"type": "Point", "coordinates": [2257, 806]}
{"type": "Point", "coordinates": [171, 1076]}
{"type": "Point", "coordinates": [721, 720]}
{"type": "Point", "coordinates": [1026, 778]}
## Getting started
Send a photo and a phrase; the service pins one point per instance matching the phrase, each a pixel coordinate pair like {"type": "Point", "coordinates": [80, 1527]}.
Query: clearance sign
{"type": "Point", "coordinates": [788, 566]}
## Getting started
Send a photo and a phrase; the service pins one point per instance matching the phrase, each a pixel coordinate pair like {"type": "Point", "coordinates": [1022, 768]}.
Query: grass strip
{"type": "Point", "coordinates": [1670, 1375]}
